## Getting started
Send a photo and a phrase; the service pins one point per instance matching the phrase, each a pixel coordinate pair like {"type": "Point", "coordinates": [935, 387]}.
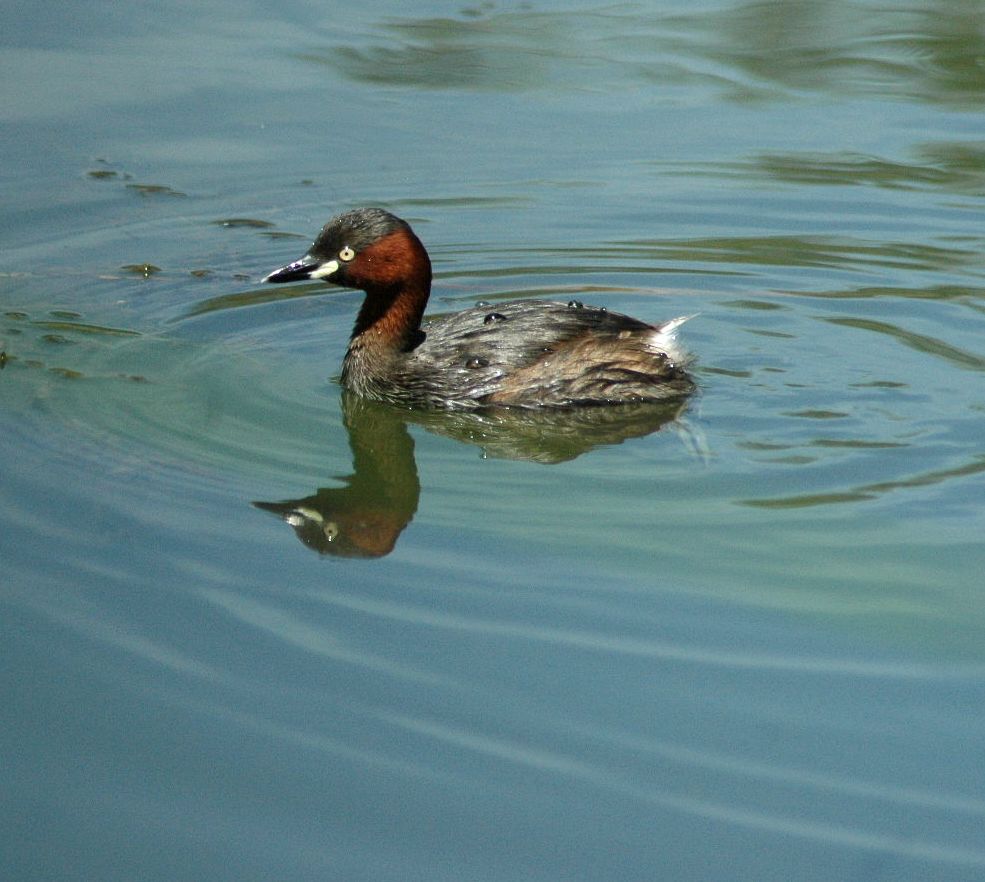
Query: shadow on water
{"type": "Point", "coordinates": [753, 51]}
{"type": "Point", "coordinates": [945, 166]}
{"type": "Point", "coordinates": [507, 51]}
{"type": "Point", "coordinates": [871, 491]}
{"type": "Point", "coordinates": [365, 516]}
{"type": "Point", "coordinates": [257, 297]}
{"type": "Point", "coordinates": [801, 251]}
{"type": "Point", "coordinates": [919, 342]}
{"type": "Point", "coordinates": [925, 52]}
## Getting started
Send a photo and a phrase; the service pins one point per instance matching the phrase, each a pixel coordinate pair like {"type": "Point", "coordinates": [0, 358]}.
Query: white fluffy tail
{"type": "Point", "coordinates": [669, 328]}
{"type": "Point", "coordinates": [664, 338]}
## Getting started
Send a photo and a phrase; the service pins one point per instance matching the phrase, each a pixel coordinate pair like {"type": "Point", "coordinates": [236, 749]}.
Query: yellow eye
{"type": "Point", "coordinates": [346, 254]}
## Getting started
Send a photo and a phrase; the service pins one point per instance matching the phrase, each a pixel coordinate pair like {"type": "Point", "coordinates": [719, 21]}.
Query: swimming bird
{"type": "Point", "coordinates": [524, 353]}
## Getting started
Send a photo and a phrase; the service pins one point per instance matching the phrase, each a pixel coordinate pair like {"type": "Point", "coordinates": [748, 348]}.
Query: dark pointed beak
{"type": "Point", "coordinates": [307, 267]}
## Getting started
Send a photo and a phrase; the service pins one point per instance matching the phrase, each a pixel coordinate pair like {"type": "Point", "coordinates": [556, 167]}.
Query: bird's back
{"type": "Point", "coordinates": [533, 353]}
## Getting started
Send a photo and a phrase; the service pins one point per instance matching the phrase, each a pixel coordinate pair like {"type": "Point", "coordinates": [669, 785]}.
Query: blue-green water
{"type": "Point", "coordinates": [746, 641]}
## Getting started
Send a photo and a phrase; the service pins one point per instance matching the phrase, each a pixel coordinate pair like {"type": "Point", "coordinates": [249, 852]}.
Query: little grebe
{"type": "Point", "coordinates": [527, 353]}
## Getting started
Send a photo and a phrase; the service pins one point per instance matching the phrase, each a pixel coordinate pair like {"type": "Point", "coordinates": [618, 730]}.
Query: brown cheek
{"type": "Point", "coordinates": [386, 262]}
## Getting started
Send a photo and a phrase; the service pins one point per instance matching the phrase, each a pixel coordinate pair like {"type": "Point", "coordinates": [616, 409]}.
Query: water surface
{"type": "Point", "coordinates": [253, 629]}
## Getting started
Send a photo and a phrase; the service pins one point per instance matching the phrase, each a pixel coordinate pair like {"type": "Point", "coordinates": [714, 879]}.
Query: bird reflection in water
{"type": "Point", "coordinates": [366, 515]}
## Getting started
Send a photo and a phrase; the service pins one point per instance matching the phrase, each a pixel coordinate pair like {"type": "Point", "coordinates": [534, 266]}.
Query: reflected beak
{"type": "Point", "coordinates": [307, 267]}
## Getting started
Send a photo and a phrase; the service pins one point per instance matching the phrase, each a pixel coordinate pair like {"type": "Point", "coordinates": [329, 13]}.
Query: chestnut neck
{"type": "Point", "coordinates": [390, 316]}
